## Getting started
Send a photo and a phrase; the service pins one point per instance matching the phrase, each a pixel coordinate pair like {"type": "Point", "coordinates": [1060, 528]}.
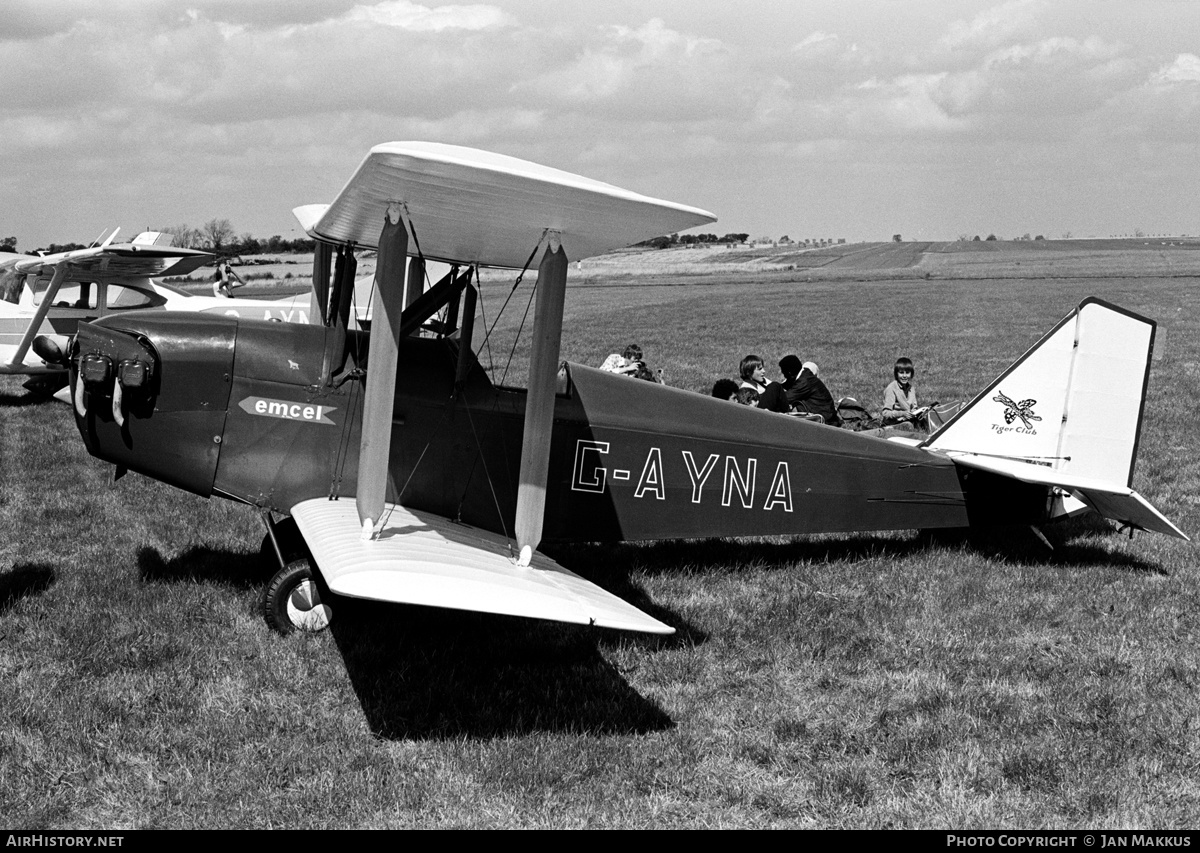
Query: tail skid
{"type": "Point", "coordinates": [1068, 415]}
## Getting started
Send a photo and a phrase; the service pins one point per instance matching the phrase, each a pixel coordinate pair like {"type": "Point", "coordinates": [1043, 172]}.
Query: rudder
{"type": "Point", "coordinates": [1072, 403]}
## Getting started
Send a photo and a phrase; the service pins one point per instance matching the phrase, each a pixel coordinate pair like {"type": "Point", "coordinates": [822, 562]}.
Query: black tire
{"type": "Point", "coordinates": [297, 599]}
{"type": "Point", "coordinates": [291, 543]}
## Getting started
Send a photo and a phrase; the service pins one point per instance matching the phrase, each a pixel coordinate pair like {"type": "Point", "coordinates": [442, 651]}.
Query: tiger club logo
{"type": "Point", "coordinates": [1013, 411]}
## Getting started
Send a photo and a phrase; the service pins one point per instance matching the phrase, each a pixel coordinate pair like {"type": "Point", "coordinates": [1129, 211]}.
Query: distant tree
{"type": "Point", "coordinates": [247, 244]}
{"type": "Point", "coordinates": [1039, 237]}
{"type": "Point", "coordinates": [991, 237]}
{"type": "Point", "coordinates": [1066, 235]}
{"type": "Point", "coordinates": [186, 237]}
{"type": "Point", "coordinates": [975, 239]}
{"type": "Point", "coordinates": [895, 238]}
{"type": "Point", "coordinates": [785, 240]}
{"type": "Point", "coordinates": [8, 244]}
{"type": "Point", "coordinates": [55, 248]}
{"type": "Point", "coordinates": [217, 233]}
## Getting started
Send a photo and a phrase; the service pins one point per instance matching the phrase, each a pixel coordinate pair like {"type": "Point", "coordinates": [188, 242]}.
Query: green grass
{"type": "Point", "coordinates": [874, 680]}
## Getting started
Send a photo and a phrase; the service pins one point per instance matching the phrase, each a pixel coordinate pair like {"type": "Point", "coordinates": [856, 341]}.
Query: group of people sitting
{"type": "Point", "coordinates": [800, 393]}
{"type": "Point", "coordinates": [803, 393]}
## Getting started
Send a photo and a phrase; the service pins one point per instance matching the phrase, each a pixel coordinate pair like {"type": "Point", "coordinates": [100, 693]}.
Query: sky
{"type": "Point", "coordinates": [858, 120]}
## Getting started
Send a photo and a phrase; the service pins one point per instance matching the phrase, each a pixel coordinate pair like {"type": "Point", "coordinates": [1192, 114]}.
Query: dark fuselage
{"type": "Point", "coordinates": [264, 413]}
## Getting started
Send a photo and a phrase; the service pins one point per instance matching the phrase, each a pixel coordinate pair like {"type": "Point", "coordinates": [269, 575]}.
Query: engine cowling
{"type": "Point", "coordinates": [151, 393]}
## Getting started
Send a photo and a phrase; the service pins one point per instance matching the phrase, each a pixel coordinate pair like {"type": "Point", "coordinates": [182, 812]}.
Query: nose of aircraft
{"type": "Point", "coordinates": [151, 393]}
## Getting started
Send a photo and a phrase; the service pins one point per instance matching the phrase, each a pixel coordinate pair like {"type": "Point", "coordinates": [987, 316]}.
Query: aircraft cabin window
{"type": "Point", "coordinates": [72, 294]}
{"type": "Point", "coordinates": [121, 298]}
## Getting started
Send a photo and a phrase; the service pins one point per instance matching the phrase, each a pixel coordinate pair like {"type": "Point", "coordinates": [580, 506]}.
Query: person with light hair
{"type": "Point", "coordinates": [900, 407]}
{"type": "Point", "coordinates": [753, 375]}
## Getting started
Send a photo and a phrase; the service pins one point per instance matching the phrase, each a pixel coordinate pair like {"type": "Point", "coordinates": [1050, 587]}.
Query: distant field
{"type": "Point", "coordinates": [1129, 258]}
{"type": "Point", "coordinates": [870, 680]}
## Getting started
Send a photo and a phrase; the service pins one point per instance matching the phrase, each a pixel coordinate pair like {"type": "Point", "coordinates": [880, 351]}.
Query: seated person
{"type": "Point", "coordinates": [615, 363]}
{"type": "Point", "coordinates": [747, 397]}
{"type": "Point", "coordinates": [630, 363]}
{"type": "Point", "coordinates": [753, 375]}
{"type": "Point", "coordinates": [801, 392]}
{"type": "Point", "coordinates": [633, 357]}
{"type": "Point", "coordinates": [900, 397]}
{"type": "Point", "coordinates": [725, 389]}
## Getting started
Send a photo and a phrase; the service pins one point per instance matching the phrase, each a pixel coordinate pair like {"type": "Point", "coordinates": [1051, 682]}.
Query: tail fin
{"type": "Point", "coordinates": [1068, 413]}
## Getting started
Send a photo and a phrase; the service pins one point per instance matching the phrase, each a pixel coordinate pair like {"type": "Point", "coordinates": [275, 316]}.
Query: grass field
{"type": "Point", "coordinates": [834, 681]}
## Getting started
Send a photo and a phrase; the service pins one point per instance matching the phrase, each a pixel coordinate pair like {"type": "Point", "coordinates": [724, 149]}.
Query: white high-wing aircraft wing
{"type": "Point", "coordinates": [51, 294]}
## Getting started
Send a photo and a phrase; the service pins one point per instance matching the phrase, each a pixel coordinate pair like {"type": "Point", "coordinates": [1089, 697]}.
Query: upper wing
{"type": "Point", "coordinates": [472, 206]}
{"type": "Point", "coordinates": [422, 558]}
{"type": "Point", "coordinates": [117, 261]}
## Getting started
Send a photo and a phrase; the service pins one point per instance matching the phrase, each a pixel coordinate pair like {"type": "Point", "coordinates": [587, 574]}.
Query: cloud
{"type": "Point", "coordinates": [1185, 69]}
{"type": "Point", "coordinates": [412, 16]}
{"type": "Point", "coordinates": [646, 71]}
{"type": "Point", "coordinates": [1051, 77]}
{"type": "Point", "coordinates": [993, 26]}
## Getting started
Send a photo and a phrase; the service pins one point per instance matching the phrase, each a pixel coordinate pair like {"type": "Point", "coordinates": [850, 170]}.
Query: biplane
{"type": "Point", "coordinates": [47, 296]}
{"type": "Point", "coordinates": [387, 465]}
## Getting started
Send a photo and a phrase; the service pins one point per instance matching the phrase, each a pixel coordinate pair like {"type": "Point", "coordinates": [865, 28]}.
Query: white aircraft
{"type": "Point", "coordinates": [49, 295]}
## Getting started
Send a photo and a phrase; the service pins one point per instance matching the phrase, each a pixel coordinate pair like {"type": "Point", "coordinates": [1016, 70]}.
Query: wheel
{"type": "Point", "coordinates": [291, 543]}
{"type": "Point", "coordinates": [297, 599]}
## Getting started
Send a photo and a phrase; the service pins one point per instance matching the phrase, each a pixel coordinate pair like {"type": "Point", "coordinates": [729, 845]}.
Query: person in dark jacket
{"type": "Point", "coordinates": [801, 391]}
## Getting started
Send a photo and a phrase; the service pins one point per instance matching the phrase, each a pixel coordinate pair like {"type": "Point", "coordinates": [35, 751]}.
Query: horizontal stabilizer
{"type": "Point", "coordinates": [1120, 503]}
{"type": "Point", "coordinates": [425, 559]}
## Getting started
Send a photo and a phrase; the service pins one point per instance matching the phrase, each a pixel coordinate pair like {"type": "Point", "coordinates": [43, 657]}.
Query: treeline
{"type": "Point", "coordinates": [216, 236]}
{"type": "Point", "coordinates": [667, 242]}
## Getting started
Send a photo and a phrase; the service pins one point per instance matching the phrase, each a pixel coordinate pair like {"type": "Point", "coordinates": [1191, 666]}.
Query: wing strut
{"type": "Point", "coordinates": [539, 404]}
{"type": "Point", "coordinates": [381, 375]}
{"type": "Point", "coordinates": [468, 330]}
{"type": "Point", "coordinates": [60, 273]}
{"type": "Point", "coordinates": [319, 302]}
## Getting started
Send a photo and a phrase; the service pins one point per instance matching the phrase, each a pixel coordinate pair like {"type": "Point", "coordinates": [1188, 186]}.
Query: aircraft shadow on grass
{"type": "Point", "coordinates": [1072, 543]}
{"type": "Point", "coordinates": [24, 580]}
{"type": "Point", "coordinates": [425, 673]}
{"type": "Point", "coordinates": [433, 673]}
{"type": "Point", "coordinates": [10, 400]}
{"type": "Point", "coordinates": [206, 565]}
